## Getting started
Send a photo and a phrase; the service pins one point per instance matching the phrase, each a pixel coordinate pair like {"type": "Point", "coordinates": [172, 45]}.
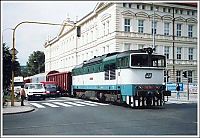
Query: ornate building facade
{"type": "Point", "coordinates": [114, 27]}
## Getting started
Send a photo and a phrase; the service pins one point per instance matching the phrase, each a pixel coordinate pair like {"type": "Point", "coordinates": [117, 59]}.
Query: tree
{"type": "Point", "coordinates": [7, 67]}
{"type": "Point", "coordinates": [35, 64]}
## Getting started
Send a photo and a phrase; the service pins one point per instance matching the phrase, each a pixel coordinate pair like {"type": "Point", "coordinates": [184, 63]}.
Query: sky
{"type": "Point", "coordinates": [31, 37]}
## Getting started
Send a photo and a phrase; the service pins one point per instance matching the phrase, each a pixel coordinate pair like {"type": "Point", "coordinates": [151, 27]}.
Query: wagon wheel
{"type": "Point", "coordinates": [83, 96]}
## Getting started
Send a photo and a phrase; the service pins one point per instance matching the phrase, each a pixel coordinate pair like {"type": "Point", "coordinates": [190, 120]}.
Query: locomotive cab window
{"type": "Point", "coordinates": [145, 60]}
{"type": "Point", "coordinates": [140, 60]}
{"type": "Point", "coordinates": [158, 61]}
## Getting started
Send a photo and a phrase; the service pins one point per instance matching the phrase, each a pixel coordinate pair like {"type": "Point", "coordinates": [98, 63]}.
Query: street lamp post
{"type": "Point", "coordinates": [13, 52]}
{"type": "Point", "coordinates": [153, 27]}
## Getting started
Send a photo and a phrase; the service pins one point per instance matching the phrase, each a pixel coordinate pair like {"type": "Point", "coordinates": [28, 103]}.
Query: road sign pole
{"type": "Point", "coordinates": [188, 90]}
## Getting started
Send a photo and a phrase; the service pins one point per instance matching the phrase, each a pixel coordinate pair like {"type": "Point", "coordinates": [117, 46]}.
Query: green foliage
{"type": "Point", "coordinates": [35, 64]}
{"type": "Point", "coordinates": [7, 67]}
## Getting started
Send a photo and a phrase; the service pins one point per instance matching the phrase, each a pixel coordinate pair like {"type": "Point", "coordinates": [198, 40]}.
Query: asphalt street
{"type": "Point", "coordinates": [54, 117]}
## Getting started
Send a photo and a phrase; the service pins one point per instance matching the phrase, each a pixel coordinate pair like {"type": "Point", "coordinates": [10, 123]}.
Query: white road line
{"type": "Point", "coordinates": [37, 105]}
{"type": "Point", "coordinates": [96, 103]}
{"type": "Point", "coordinates": [85, 103]}
{"type": "Point", "coordinates": [55, 100]}
{"type": "Point", "coordinates": [62, 104]}
{"type": "Point", "coordinates": [72, 103]}
{"type": "Point", "coordinates": [177, 102]}
{"type": "Point", "coordinates": [50, 104]}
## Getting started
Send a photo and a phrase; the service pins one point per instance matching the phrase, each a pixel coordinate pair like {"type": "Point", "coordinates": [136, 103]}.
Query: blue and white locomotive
{"type": "Point", "coordinates": [134, 77]}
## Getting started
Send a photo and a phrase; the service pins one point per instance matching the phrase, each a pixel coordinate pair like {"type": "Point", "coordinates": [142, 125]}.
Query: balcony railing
{"type": "Point", "coordinates": [157, 36]}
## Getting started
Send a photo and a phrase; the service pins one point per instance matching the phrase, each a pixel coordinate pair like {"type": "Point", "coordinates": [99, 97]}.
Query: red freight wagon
{"type": "Point", "coordinates": [64, 81]}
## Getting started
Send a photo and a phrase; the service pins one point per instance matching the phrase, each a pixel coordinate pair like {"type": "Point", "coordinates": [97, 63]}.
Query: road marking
{"type": "Point", "coordinates": [66, 104]}
{"type": "Point", "coordinates": [50, 104]}
{"type": "Point", "coordinates": [96, 103]}
{"type": "Point", "coordinates": [38, 105]}
{"type": "Point", "coordinates": [177, 102]}
{"type": "Point", "coordinates": [72, 103]}
{"type": "Point", "coordinates": [85, 103]}
{"type": "Point", "coordinates": [62, 104]}
{"type": "Point", "coordinates": [56, 100]}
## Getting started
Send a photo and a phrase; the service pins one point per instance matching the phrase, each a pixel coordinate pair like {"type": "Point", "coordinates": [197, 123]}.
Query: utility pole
{"type": "Point", "coordinates": [14, 50]}
{"type": "Point", "coordinates": [173, 47]}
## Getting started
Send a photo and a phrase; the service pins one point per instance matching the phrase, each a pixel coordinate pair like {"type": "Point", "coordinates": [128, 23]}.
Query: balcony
{"type": "Point", "coordinates": [147, 36]}
{"type": "Point", "coordinates": [182, 62]}
{"type": "Point", "coordinates": [183, 38]}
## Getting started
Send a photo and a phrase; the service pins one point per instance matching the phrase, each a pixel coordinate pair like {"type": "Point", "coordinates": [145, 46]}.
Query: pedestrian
{"type": "Point", "coordinates": [22, 94]}
{"type": "Point", "coordinates": [178, 89]}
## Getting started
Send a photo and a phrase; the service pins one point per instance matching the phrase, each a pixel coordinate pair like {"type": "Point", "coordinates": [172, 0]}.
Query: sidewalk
{"type": "Point", "coordinates": [17, 108]}
{"type": "Point", "coordinates": [193, 98]}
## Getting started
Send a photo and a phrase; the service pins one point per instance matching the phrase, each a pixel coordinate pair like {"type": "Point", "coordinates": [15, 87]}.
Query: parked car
{"type": "Point", "coordinates": [51, 88]}
{"type": "Point", "coordinates": [34, 90]}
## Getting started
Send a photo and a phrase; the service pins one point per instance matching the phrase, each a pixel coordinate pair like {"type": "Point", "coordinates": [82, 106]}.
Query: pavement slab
{"type": "Point", "coordinates": [17, 108]}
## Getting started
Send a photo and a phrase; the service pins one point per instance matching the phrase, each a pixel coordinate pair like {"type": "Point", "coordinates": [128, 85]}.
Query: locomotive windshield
{"type": "Point", "coordinates": [145, 60]}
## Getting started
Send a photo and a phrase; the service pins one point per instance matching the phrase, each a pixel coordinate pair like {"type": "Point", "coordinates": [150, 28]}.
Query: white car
{"type": "Point", "coordinates": [34, 90]}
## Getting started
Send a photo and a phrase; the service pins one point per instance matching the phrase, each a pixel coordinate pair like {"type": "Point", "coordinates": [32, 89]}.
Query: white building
{"type": "Point", "coordinates": [112, 27]}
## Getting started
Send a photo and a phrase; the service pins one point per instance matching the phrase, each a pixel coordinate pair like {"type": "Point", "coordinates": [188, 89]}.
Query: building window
{"type": "Point", "coordinates": [140, 26]}
{"type": "Point", "coordinates": [104, 50]}
{"type": "Point", "coordinates": [154, 27]}
{"type": "Point", "coordinates": [192, 12]}
{"type": "Point", "coordinates": [140, 46]}
{"type": "Point", "coordinates": [129, 5]}
{"type": "Point", "coordinates": [127, 25]}
{"type": "Point", "coordinates": [127, 46]}
{"type": "Point", "coordinates": [143, 7]}
{"type": "Point", "coordinates": [178, 29]}
{"type": "Point", "coordinates": [178, 53]}
{"type": "Point", "coordinates": [176, 11]}
{"type": "Point", "coordinates": [190, 29]}
{"type": "Point", "coordinates": [178, 76]}
{"type": "Point", "coordinates": [181, 11]}
{"type": "Point", "coordinates": [108, 26]}
{"type": "Point", "coordinates": [166, 52]}
{"type": "Point", "coordinates": [124, 4]}
{"type": "Point", "coordinates": [104, 29]}
{"type": "Point", "coordinates": [190, 76]}
{"type": "Point", "coordinates": [164, 9]}
{"type": "Point", "coordinates": [151, 8]}
{"type": "Point", "coordinates": [188, 12]}
{"type": "Point", "coordinates": [169, 10]}
{"type": "Point", "coordinates": [166, 28]}
{"type": "Point", "coordinates": [138, 6]}
{"type": "Point", "coordinates": [190, 53]}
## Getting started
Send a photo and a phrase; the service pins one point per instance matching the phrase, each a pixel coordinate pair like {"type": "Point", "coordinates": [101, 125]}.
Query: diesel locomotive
{"type": "Point", "coordinates": [134, 77]}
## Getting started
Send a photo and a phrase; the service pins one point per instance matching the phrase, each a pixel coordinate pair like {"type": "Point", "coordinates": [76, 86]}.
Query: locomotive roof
{"type": "Point", "coordinates": [110, 56]}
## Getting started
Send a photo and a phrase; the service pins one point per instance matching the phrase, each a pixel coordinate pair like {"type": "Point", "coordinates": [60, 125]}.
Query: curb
{"type": "Point", "coordinates": [19, 112]}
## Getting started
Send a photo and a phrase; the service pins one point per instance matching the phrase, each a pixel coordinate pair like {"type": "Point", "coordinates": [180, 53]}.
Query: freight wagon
{"type": "Point", "coordinates": [63, 80]}
{"type": "Point", "coordinates": [133, 77]}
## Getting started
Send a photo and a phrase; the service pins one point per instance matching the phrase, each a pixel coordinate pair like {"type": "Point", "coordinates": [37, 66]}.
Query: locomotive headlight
{"type": "Point", "coordinates": [139, 87]}
{"type": "Point", "coordinates": [162, 87]}
{"type": "Point", "coordinates": [47, 91]}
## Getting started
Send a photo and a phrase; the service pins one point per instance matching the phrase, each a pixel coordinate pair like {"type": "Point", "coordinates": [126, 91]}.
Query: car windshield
{"type": "Point", "coordinates": [145, 60]}
{"type": "Point", "coordinates": [50, 86]}
{"type": "Point", "coordinates": [35, 86]}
